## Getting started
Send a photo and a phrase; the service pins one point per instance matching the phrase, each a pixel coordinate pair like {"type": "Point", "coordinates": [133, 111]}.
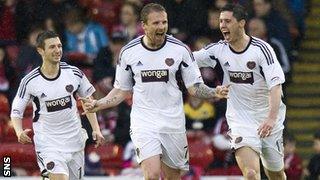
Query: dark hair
{"type": "Point", "coordinates": [43, 36]}
{"type": "Point", "coordinates": [134, 6]}
{"type": "Point", "coordinates": [147, 9]}
{"type": "Point", "coordinates": [317, 135]}
{"type": "Point", "coordinates": [238, 11]}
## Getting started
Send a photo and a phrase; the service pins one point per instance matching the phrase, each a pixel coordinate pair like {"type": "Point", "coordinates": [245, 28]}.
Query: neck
{"type": "Point", "coordinates": [150, 44]}
{"type": "Point", "coordinates": [240, 43]}
{"type": "Point", "coordinates": [50, 70]}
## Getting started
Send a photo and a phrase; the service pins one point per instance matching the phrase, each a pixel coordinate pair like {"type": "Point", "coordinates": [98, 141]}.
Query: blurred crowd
{"type": "Point", "coordinates": [92, 34]}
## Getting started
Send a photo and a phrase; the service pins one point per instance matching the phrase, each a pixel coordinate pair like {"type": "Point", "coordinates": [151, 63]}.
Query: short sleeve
{"type": "Point", "coordinates": [123, 79]}
{"type": "Point", "coordinates": [21, 99]}
{"type": "Point", "coordinates": [85, 89]}
{"type": "Point", "coordinates": [203, 58]}
{"type": "Point", "coordinates": [271, 67]}
{"type": "Point", "coordinates": [189, 68]}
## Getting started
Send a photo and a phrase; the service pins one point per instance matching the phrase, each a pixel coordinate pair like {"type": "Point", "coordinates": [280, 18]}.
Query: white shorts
{"type": "Point", "coordinates": [270, 148]}
{"type": "Point", "coordinates": [70, 164]}
{"type": "Point", "coordinates": [173, 148]}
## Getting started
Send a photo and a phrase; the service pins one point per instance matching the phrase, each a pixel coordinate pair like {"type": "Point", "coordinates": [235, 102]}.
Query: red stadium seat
{"type": "Point", "coordinates": [22, 155]}
{"type": "Point", "coordinates": [201, 153]}
{"type": "Point", "coordinates": [9, 134]}
{"type": "Point", "coordinates": [4, 105]}
{"type": "Point", "coordinates": [110, 154]}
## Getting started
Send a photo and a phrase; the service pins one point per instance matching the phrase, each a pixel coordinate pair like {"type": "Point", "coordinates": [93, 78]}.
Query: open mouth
{"type": "Point", "coordinates": [160, 34]}
{"type": "Point", "coordinates": [226, 33]}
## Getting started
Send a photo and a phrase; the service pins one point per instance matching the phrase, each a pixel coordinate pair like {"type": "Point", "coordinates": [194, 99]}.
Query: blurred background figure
{"type": "Point", "coordinates": [212, 31]}
{"type": "Point", "coordinates": [200, 114]}
{"type": "Point", "coordinates": [276, 25]}
{"type": "Point", "coordinates": [130, 164]}
{"type": "Point", "coordinates": [313, 169]}
{"type": "Point", "coordinates": [7, 76]}
{"type": "Point", "coordinates": [84, 38]}
{"type": "Point", "coordinates": [7, 22]}
{"type": "Point", "coordinates": [28, 57]}
{"type": "Point", "coordinates": [130, 24]}
{"type": "Point", "coordinates": [186, 18]}
{"type": "Point", "coordinates": [93, 166]}
{"type": "Point", "coordinates": [292, 161]}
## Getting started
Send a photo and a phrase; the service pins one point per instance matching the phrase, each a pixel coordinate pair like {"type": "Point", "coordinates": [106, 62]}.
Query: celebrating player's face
{"type": "Point", "coordinates": [52, 50]}
{"type": "Point", "coordinates": [156, 27]}
{"type": "Point", "coordinates": [229, 26]}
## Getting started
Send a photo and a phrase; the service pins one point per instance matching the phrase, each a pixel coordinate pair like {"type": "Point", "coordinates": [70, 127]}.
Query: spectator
{"type": "Point", "coordinates": [7, 21]}
{"type": "Point", "coordinates": [257, 28]}
{"type": "Point", "coordinates": [7, 75]}
{"type": "Point", "coordinates": [313, 169]}
{"type": "Point", "coordinates": [200, 114]}
{"type": "Point", "coordinates": [129, 21]}
{"type": "Point", "coordinates": [292, 161]}
{"type": "Point", "coordinates": [83, 36]}
{"type": "Point", "coordinates": [299, 11]}
{"type": "Point", "coordinates": [31, 12]}
{"type": "Point", "coordinates": [93, 165]}
{"type": "Point", "coordinates": [130, 165]}
{"type": "Point", "coordinates": [104, 64]}
{"type": "Point", "coordinates": [104, 12]}
{"type": "Point", "coordinates": [213, 30]}
{"type": "Point", "coordinates": [28, 57]}
{"type": "Point", "coordinates": [186, 17]}
{"type": "Point", "coordinates": [276, 25]}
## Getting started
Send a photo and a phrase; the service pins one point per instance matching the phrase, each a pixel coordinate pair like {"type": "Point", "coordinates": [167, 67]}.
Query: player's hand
{"type": "Point", "coordinates": [98, 138]}
{"type": "Point", "coordinates": [222, 91]}
{"type": "Point", "coordinates": [88, 105]}
{"type": "Point", "coordinates": [23, 137]}
{"type": "Point", "coordinates": [266, 127]}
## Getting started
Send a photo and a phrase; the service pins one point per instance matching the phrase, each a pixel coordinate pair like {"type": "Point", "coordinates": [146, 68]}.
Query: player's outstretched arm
{"type": "Point", "coordinates": [115, 97]}
{"type": "Point", "coordinates": [200, 90]}
{"type": "Point", "coordinates": [96, 133]}
{"type": "Point", "coordinates": [22, 135]}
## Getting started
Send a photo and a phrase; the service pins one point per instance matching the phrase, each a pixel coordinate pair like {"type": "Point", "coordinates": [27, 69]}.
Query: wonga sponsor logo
{"type": "Point", "coordinates": [241, 77]}
{"type": "Point", "coordinates": [160, 75]}
{"type": "Point", "coordinates": [59, 104]}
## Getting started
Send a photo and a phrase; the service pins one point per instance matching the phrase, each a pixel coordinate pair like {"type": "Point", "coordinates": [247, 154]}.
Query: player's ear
{"type": "Point", "coordinates": [40, 50]}
{"type": "Point", "coordinates": [242, 23]}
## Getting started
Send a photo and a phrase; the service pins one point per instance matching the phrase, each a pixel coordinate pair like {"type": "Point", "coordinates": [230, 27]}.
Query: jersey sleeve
{"type": "Point", "coordinates": [21, 100]}
{"type": "Point", "coordinates": [123, 79]}
{"type": "Point", "coordinates": [189, 69]}
{"type": "Point", "coordinates": [85, 89]}
{"type": "Point", "coordinates": [271, 67]}
{"type": "Point", "coordinates": [203, 58]}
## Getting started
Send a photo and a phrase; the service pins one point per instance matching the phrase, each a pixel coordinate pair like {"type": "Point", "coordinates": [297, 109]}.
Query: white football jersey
{"type": "Point", "coordinates": [251, 73]}
{"type": "Point", "coordinates": [56, 121]}
{"type": "Point", "coordinates": [157, 100]}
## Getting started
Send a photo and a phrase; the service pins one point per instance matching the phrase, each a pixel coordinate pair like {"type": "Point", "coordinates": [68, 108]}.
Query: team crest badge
{"type": "Point", "coordinates": [238, 140]}
{"type": "Point", "coordinates": [251, 64]}
{"type": "Point", "coordinates": [50, 165]}
{"type": "Point", "coordinates": [169, 61]}
{"type": "Point", "coordinates": [69, 88]}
